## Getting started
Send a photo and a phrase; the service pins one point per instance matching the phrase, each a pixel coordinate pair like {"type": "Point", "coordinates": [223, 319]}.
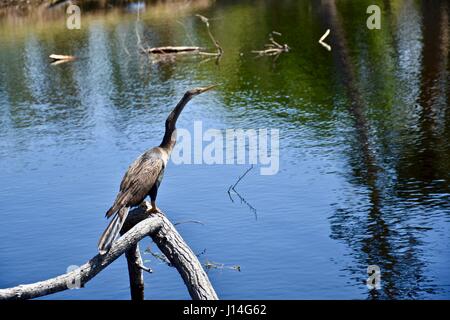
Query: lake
{"type": "Point", "coordinates": [364, 129]}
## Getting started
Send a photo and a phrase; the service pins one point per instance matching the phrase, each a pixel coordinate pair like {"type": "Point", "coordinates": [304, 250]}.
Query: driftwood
{"type": "Point", "coordinates": [173, 51]}
{"type": "Point", "coordinates": [321, 40]}
{"type": "Point", "coordinates": [59, 58]}
{"type": "Point", "coordinates": [140, 224]}
{"type": "Point", "coordinates": [273, 47]}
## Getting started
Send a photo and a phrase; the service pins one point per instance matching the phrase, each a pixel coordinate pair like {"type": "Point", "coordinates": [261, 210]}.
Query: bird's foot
{"type": "Point", "coordinates": [154, 210]}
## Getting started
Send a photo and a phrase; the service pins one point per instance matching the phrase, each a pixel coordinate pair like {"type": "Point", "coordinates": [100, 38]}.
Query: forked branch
{"type": "Point", "coordinates": [140, 224]}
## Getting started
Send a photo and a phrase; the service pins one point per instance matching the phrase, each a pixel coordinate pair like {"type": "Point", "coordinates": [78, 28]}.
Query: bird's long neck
{"type": "Point", "coordinates": [169, 138]}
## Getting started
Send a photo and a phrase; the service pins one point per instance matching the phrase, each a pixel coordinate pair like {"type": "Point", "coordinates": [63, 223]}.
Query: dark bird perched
{"type": "Point", "coordinates": [144, 176]}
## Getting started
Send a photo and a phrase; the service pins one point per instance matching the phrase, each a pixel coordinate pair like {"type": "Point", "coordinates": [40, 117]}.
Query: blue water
{"type": "Point", "coordinates": [364, 151]}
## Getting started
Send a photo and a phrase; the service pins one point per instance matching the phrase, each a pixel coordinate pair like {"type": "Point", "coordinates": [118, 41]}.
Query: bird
{"type": "Point", "coordinates": [144, 175]}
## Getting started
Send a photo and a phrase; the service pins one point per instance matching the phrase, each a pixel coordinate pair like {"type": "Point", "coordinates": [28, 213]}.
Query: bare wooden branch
{"type": "Point", "coordinates": [140, 224]}
{"type": "Point", "coordinates": [233, 187]}
{"type": "Point", "coordinates": [59, 58]}
{"type": "Point", "coordinates": [273, 47]}
{"type": "Point", "coordinates": [134, 262]}
{"type": "Point", "coordinates": [215, 265]}
{"type": "Point", "coordinates": [173, 49]}
{"type": "Point", "coordinates": [135, 267]}
{"type": "Point", "coordinates": [138, 37]}
{"type": "Point", "coordinates": [172, 245]}
{"type": "Point", "coordinates": [214, 41]}
{"type": "Point", "coordinates": [80, 276]}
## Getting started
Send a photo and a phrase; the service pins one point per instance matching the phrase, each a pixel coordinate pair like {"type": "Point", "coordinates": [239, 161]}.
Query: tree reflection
{"type": "Point", "coordinates": [422, 164]}
{"type": "Point", "coordinates": [382, 233]}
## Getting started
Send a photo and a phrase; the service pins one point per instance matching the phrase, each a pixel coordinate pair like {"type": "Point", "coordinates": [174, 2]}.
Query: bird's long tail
{"type": "Point", "coordinates": [112, 231]}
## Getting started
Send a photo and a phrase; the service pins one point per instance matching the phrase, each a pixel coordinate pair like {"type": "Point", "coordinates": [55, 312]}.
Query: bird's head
{"type": "Point", "coordinates": [197, 91]}
{"type": "Point", "coordinates": [168, 140]}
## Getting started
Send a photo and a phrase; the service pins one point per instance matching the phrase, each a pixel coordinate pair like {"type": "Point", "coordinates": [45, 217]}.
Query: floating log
{"type": "Point", "coordinates": [172, 49]}
{"type": "Point", "coordinates": [59, 58]}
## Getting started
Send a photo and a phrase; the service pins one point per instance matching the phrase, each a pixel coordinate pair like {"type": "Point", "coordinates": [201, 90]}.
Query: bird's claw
{"type": "Point", "coordinates": [154, 210]}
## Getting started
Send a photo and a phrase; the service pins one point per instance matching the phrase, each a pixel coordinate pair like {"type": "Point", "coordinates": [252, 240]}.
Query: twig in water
{"type": "Point", "coordinates": [189, 221]}
{"type": "Point", "coordinates": [59, 58]}
{"type": "Point", "coordinates": [252, 209]}
{"type": "Point", "coordinates": [324, 44]}
{"type": "Point", "coordinates": [233, 188]}
{"type": "Point", "coordinates": [214, 41]}
{"type": "Point", "coordinates": [214, 265]}
{"type": "Point", "coordinates": [186, 31]}
{"type": "Point", "coordinates": [273, 47]}
{"type": "Point", "coordinates": [172, 50]}
{"type": "Point", "coordinates": [162, 258]}
{"type": "Point", "coordinates": [216, 60]}
{"type": "Point", "coordinates": [158, 256]}
{"type": "Point", "coordinates": [138, 37]}
{"type": "Point", "coordinates": [201, 253]}
{"type": "Point", "coordinates": [169, 53]}
{"type": "Point", "coordinates": [240, 178]}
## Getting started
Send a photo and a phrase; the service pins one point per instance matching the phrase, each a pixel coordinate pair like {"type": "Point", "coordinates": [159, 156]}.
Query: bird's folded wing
{"type": "Point", "coordinates": [137, 182]}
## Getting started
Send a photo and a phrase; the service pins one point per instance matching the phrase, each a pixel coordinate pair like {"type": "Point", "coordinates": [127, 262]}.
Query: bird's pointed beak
{"type": "Point", "coordinates": [203, 89]}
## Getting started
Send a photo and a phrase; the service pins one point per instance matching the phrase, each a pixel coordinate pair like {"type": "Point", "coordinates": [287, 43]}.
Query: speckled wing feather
{"type": "Point", "coordinates": [138, 180]}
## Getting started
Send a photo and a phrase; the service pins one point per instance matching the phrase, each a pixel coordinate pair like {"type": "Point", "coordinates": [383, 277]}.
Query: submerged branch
{"type": "Point", "coordinates": [232, 188]}
{"type": "Point", "coordinates": [172, 51]}
{"type": "Point", "coordinates": [59, 58]}
{"type": "Point", "coordinates": [215, 265]}
{"type": "Point", "coordinates": [273, 47]}
{"type": "Point", "coordinates": [214, 41]}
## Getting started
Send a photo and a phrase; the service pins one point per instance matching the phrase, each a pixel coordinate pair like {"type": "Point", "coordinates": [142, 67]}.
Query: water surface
{"type": "Point", "coordinates": [364, 162]}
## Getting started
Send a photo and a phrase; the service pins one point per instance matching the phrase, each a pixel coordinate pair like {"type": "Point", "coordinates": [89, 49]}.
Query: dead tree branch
{"type": "Point", "coordinates": [59, 58]}
{"type": "Point", "coordinates": [215, 265]}
{"type": "Point", "coordinates": [134, 263]}
{"type": "Point", "coordinates": [232, 188]}
{"type": "Point", "coordinates": [173, 51]}
{"type": "Point", "coordinates": [273, 47]}
{"type": "Point", "coordinates": [172, 245]}
{"type": "Point", "coordinates": [140, 224]}
{"type": "Point", "coordinates": [135, 268]}
{"type": "Point", "coordinates": [214, 41]}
